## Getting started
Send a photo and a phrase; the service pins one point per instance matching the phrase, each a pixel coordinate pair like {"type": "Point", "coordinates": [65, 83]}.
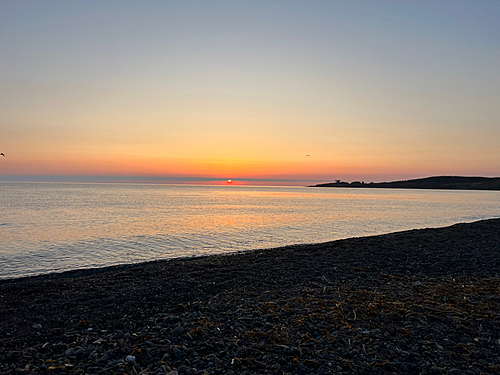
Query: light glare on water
{"type": "Point", "coordinates": [47, 227]}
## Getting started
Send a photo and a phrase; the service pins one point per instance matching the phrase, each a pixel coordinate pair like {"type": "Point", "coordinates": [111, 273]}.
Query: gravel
{"type": "Point", "coordinates": [414, 302]}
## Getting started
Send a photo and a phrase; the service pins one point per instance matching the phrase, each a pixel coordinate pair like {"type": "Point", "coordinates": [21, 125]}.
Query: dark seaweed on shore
{"type": "Point", "coordinates": [415, 302]}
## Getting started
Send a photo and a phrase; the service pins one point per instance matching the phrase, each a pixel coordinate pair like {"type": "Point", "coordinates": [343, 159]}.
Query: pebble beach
{"type": "Point", "coordinates": [423, 301]}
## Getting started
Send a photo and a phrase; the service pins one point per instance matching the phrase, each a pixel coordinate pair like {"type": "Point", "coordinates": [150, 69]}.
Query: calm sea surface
{"type": "Point", "coordinates": [53, 227]}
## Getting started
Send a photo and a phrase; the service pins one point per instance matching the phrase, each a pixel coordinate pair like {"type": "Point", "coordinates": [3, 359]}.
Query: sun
{"type": "Point", "coordinates": [229, 181]}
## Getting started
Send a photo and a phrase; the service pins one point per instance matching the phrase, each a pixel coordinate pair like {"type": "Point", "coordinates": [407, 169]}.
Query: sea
{"type": "Point", "coordinates": [56, 227]}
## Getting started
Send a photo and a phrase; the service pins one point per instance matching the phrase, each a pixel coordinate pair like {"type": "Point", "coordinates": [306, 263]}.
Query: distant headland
{"type": "Point", "coordinates": [438, 182]}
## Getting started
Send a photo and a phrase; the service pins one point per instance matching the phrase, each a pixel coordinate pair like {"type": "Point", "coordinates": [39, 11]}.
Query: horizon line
{"type": "Point", "coordinates": [164, 179]}
{"type": "Point", "coordinates": [190, 179]}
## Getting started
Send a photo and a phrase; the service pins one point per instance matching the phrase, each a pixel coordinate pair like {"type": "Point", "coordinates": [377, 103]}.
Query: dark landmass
{"type": "Point", "coordinates": [414, 302]}
{"type": "Point", "coordinates": [441, 182]}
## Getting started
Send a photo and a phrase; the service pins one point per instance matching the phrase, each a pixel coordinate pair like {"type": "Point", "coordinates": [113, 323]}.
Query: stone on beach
{"type": "Point", "coordinates": [362, 305]}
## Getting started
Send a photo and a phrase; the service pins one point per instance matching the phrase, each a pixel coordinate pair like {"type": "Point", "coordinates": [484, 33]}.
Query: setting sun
{"type": "Point", "coordinates": [200, 99]}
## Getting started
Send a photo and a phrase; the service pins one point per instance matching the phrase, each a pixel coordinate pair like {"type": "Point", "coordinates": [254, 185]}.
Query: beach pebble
{"type": "Point", "coordinates": [178, 330]}
{"type": "Point", "coordinates": [80, 353]}
{"type": "Point", "coordinates": [144, 355]}
{"type": "Point", "coordinates": [37, 326]}
{"type": "Point", "coordinates": [177, 353]}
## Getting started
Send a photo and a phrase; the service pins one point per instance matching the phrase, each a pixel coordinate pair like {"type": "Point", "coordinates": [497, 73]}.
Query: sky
{"type": "Point", "coordinates": [259, 92]}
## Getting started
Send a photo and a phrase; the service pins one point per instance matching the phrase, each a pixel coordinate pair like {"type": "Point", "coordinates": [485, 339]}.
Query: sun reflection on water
{"type": "Point", "coordinates": [81, 225]}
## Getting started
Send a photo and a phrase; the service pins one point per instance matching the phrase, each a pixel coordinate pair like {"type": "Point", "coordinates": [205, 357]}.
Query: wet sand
{"type": "Point", "coordinates": [421, 301]}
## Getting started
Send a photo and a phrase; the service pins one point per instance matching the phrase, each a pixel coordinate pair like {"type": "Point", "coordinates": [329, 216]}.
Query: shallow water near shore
{"type": "Point", "coordinates": [54, 227]}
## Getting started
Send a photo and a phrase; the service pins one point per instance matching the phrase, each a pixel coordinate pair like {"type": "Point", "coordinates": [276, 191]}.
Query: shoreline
{"type": "Point", "coordinates": [86, 271]}
{"type": "Point", "coordinates": [377, 304]}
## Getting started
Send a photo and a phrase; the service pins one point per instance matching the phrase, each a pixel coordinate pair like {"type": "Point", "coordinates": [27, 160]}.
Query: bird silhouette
{"type": "Point", "coordinates": [1, 153]}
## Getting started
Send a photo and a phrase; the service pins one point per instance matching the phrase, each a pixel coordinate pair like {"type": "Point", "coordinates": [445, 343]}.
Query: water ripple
{"type": "Point", "coordinates": [58, 227]}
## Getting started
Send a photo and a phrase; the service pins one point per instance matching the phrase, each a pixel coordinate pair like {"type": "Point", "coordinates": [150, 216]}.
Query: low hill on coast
{"type": "Point", "coordinates": [439, 182]}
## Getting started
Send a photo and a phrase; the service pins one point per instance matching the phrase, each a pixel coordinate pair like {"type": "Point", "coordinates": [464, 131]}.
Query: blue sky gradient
{"type": "Point", "coordinates": [372, 90]}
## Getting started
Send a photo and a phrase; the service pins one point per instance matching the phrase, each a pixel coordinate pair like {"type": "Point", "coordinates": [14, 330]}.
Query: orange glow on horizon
{"type": "Point", "coordinates": [244, 170]}
{"type": "Point", "coordinates": [217, 101]}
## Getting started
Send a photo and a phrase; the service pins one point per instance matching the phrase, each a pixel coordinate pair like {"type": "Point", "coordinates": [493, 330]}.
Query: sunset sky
{"type": "Point", "coordinates": [202, 91]}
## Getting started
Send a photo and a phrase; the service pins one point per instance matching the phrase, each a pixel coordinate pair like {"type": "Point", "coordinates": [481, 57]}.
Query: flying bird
{"type": "Point", "coordinates": [1, 153]}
